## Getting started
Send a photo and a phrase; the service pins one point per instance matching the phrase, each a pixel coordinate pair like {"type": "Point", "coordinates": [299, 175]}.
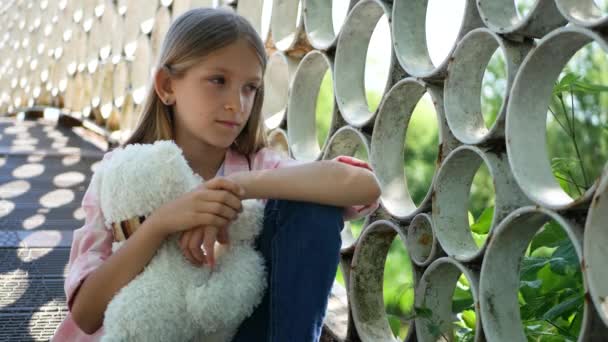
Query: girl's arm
{"type": "Point", "coordinates": [325, 182]}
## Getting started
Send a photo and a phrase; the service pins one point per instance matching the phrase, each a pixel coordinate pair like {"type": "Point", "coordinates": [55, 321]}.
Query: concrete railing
{"type": "Point", "coordinates": [93, 60]}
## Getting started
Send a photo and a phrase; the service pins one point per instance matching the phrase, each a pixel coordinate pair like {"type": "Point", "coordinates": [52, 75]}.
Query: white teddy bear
{"type": "Point", "coordinates": [172, 300]}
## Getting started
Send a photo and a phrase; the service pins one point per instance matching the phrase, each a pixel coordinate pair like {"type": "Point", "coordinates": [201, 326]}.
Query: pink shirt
{"type": "Point", "coordinates": [92, 243]}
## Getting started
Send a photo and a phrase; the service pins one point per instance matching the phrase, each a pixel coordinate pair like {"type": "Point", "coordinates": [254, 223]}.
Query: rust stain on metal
{"type": "Point", "coordinates": [440, 155]}
{"type": "Point", "coordinates": [425, 239]}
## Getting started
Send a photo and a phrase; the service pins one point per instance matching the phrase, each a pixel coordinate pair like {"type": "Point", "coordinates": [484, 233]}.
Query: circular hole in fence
{"type": "Point", "coordinates": [362, 62]}
{"type": "Point", "coordinates": [443, 21]}
{"type": "Point", "coordinates": [577, 121]}
{"type": "Point", "coordinates": [596, 238]}
{"type": "Point", "coordinates": [481, 205]}
{"type": "Point", "coordinates": [285, 23]}
{"type": "Point", "coordinates": [404, 157]}
{"type": "Point", "coordinates": [325, 110]}
{"type": "Point", "coordinates": [493, 88]}
{"type": "Point", "coordinates": [308, 101]}
{"type": "Point", "coordinates": [531, 18]}
{"type": "Point", "coordinates": [590, 13]}
{"type": "Point", "coordinates": [259, 14]}
{"type": "Point", "coordinates": [277, 80]}
{"type": "Point", "coordinates": [323, 20]}
{"type": "Point", "coordinates": [445, 307]}
{"type": "Point", "coordinates": [463, 306]}
{"type": "Point", "coordinates": [480, 79]}
{"type": "Point", "coordinates": [377, 64]}
{"type": "Point", "coordinates": [425, 32]}
{"type": "Point", "coordinates": [551, 291]}
{"type": "Point", "coordinates": [421, 241]}
{"type": "Point", "coordinates": [381, 281]}
{"type": "Point", "coordinates": [533, 156]}
{"type": "Point", "coordinates": [531, 282]}
{"type": "Point", "coordinates": [398, 289]}
{"type": "Point", "coordinates": [468, 201]}
{"type": "Point", "coordinates": [420, 149]}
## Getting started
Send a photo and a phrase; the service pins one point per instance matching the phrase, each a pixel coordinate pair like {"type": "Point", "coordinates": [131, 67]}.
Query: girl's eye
{"type": "Point", "coordinates": [218, 80]}
{"type": "Point", "coordinates": [252, 87]}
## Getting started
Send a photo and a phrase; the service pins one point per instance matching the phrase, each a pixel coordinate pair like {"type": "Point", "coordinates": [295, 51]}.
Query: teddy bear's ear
{"type": "Point", "coordinates": [140, 178]}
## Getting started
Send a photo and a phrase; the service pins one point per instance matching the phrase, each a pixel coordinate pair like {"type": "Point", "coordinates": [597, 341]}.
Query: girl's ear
{"type": "Point", "coordinates": [163, 86]}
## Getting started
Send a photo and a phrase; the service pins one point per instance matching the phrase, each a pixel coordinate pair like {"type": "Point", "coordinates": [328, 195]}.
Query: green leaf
{"type": "Point", "coordinates": [534, 284]}
{"type": "Point", "coordinates": [567, 80]}
{"type": "Point", "coordinates": [529, 267]}
{"type": "Point", "coordinates": [564, 260]}
{"type": "Point", "coordinates": [588, 87]}
{"type": "Point", "coordinates": [468, 316]}
{"type": "Point", "coordinates": [568, 306]}
{"type": "Point", "coordinates": [550, 235]}
{"type": "Point", "coordinates": [553, 282]}
{"type": "Point", "coordinates": [423, 312]}
{"type": "Point", "coordinates": [463, 282]}
{"type": "Point", "coordinates": [484, 222]}
{"type": "Point", "coordinates": [395, 323]}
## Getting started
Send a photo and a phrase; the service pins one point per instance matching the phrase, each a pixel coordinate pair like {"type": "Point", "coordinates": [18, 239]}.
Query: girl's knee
{"type": "Point", "coordinates": [308, 211]}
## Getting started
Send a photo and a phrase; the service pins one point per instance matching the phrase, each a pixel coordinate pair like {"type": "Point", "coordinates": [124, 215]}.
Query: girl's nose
{"type": "Point", "coordinates": [235, 102]}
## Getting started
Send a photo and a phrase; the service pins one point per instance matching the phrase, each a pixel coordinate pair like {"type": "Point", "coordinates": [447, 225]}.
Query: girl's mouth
{"type": "Point", "coordinates": [229, 124]}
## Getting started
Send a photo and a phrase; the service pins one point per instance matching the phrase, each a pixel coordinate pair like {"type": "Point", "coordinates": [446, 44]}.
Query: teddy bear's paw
{"type": "Point", "coordinates": [231, 293]}
{"type": "Point", "coordinates": [149, 308]}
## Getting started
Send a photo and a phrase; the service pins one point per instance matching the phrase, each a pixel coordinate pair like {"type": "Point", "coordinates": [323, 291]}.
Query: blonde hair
{"type": "Point", "coordinates": [191, 36]}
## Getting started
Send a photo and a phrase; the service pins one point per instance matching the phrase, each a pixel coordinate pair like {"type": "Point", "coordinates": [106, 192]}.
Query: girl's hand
{"type": "Point", "coordinates": [190, 243]}
{"type": "Point", "coordinates": [214, 203]}
{"type": "Point", "coordinates": [353, 161]}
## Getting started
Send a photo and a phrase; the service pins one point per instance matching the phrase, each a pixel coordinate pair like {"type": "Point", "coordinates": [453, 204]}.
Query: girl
{"type": "Point", "coordinates": [206, 96]}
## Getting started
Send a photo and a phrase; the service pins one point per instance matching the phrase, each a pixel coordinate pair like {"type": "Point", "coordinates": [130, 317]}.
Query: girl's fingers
{"type": "Point", "coordinates": [220, 196]}
{"type": "Point", "coordinates": [194, 245]}
{"type": "Point", "coordinates": [205, 219]}
{"type": "Point", "coordinates": [208, 244]}
{"type": "Point", "coordinates": [222, 236]}
{"type": "Point", "coordinates": [219, 209]}
{"type": "Point", "coordinates": [355, 162]}
{"type": "Point", "coordinates": [183, 245]}
{"type": "Point", "coordinates": [220, 183]}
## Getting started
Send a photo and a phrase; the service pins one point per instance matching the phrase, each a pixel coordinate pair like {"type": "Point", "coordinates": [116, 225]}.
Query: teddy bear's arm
{"type": "Point", "coordinates": [229, 296]}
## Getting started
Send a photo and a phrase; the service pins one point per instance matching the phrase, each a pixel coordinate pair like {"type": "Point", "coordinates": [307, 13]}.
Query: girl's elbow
{"type": "Point", "coordinates": [372, 186]}
{"type": "Point", "coordinates": [375, 191]}
{"type": "Point", "coordinates": [84, 321]}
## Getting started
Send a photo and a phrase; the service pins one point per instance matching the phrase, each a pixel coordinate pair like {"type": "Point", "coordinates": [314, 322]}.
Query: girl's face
{"type": "Point", "coordinates": [213, 99]}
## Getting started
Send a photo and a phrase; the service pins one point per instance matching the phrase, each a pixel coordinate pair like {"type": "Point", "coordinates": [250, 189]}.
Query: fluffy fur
{"type": "Point", "coordinates": [172, 300]}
